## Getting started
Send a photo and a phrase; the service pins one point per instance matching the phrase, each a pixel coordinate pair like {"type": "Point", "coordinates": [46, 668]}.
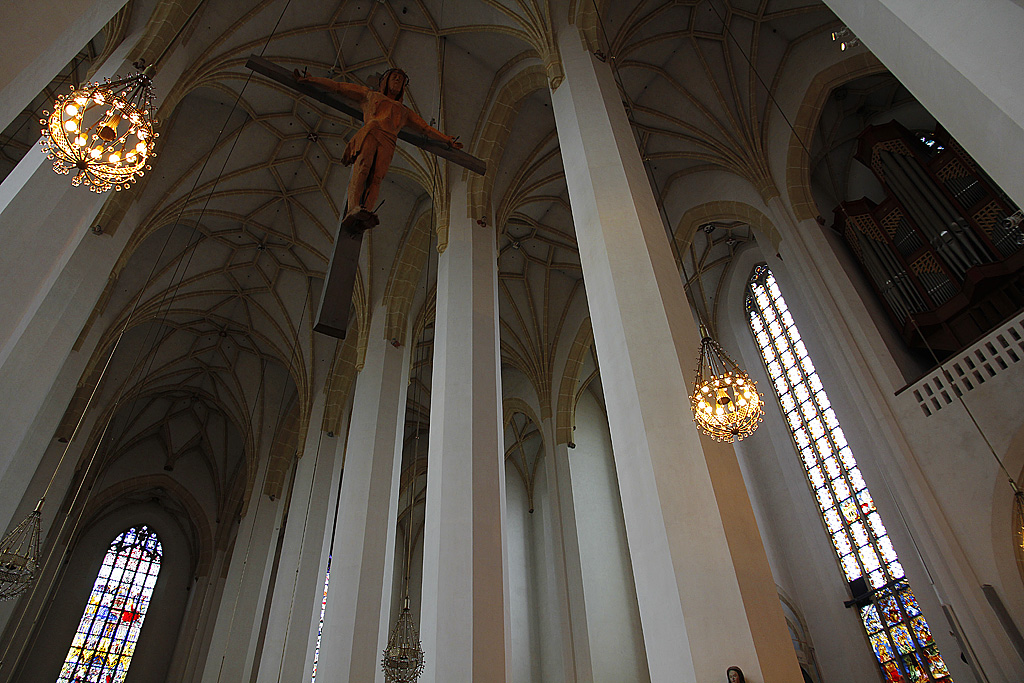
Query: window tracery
{"type": "Point", "coordinates": [104, 643]}
{"type": "Point", "coordinates": [892, 619]}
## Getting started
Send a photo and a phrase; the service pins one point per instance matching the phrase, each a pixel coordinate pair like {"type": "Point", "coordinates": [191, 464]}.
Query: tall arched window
{"type": "Point", "coordinates": [105, 641]}
{"type": "Point", "coordinates": [897, 630]}
{"type": "Point", "coordinates": [320, 628]}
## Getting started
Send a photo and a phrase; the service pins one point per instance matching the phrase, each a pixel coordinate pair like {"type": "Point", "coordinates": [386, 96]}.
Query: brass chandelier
{"type": "Point", "coordinates": [725, 402]}
{"type": "Point", "coordinates": [403, 657]}
{"type": "Point", "coordinates": [19, 556]}
{"type": "Point", "coordinates": [104, 132]}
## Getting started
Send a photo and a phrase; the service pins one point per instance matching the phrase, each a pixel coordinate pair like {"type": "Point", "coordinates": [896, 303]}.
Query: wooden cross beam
{"type": "Point", "coordinates": [287, 78]}
{"type": "Point", "coordinates": [336, 297]}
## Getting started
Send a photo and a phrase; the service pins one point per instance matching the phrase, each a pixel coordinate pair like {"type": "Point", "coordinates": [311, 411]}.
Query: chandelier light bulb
{"type": "Point", "coordinates": [725, 402]}
{"type": "Point", "coordinates": [96, 111]}
{"type": "Point", "coordinates": [109, 131]}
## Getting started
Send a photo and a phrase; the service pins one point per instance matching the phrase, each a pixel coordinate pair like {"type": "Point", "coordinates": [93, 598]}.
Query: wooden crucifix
{"type": "Point", "coordinates": [369, 152]}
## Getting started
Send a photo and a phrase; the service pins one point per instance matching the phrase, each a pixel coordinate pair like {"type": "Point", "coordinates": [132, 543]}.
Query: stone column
{"type": "Point", "coordinates": [52, 272]}
{"type": "Point", "coordinates": [358, 609]}
{"type": "Point", "coordinates": [567, 568]}
{"type": "Point", "coordinates": [705, 591]}
{"type": "Point", "coordinates": [39, 39]}
{"type": "Point", "coordinates": [235, 636]}
{"type": "Point", "coordinates": [310, 514]}
{"type": "Point", "coordinates": [465, 625]}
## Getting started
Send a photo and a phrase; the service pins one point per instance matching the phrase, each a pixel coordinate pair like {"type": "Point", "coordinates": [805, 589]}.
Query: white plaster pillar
{"type": "Point", "coordinates": [310, 512]}
{"type": "Point", "coordinates": [465, 625]}
{"type": "Point", "coordinates": [52, 272]}
{"type": "Point", "coordinates": [236, 634]}
{"type": "Point", "coordinates": [39, 39]}
{"type": "Point", "coordinates": [567, 568]}
{"type": "Point", "coordinates": [705, 592]}
{"type": "Point", "coordinates": [937, 48]}
{"type": "Point", "coordinates": [357, 619]}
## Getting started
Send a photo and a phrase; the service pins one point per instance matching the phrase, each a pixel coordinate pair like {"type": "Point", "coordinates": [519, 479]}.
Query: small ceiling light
{"type": "Point", "coordinates": [100, 130]}
{"type": "Point", "coordinates": [725, 401]}
{"type": "Point", "coordinates": [844, 36]}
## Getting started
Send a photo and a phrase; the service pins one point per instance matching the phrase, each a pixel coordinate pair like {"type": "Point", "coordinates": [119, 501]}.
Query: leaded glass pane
{"type": "Point", "coordinates": [320, 628]}
{"type": "Point", "coordinates": [899, 635]}
{"type": "Point", "coordinates": [103, 646]}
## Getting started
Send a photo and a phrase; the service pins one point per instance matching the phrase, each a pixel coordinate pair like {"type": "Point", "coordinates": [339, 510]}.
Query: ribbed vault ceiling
{"type": "Point", "coordinates": [235, 223]}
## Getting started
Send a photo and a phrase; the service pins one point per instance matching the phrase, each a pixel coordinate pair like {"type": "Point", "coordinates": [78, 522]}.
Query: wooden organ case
{"type": "Point", "coordinates": [945, 250]}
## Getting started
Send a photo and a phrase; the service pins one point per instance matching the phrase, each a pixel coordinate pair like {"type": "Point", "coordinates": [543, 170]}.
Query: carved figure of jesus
{"type": "Point", "coordinates": [373, 145]}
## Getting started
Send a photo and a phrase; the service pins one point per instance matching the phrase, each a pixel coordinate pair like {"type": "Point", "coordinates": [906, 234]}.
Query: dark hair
{"type": "Point", "coordinates": [383, 83]}
{"type": "Point", "coordinates": [737, 670]}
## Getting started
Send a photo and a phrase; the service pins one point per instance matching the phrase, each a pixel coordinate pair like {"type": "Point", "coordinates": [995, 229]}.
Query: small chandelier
{"type": "Point", "coordinates": [102, 131]}
{"type": "Point", "coordinates": [725, 401]}
{"type": "Point", "coordinates": [403, 657]}
{"type": "Point", "coordinates": [19, 556]}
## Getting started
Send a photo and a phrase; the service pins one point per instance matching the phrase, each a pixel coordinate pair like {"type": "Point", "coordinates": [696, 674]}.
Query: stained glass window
{"type": "Point", "coordinates": [323, 610]}
{"type": "Point", "coordinates": [896, 629]}
{"type": "Point", "coordinates": [105, 641]}
{"type": "Point", "coordinates": [930, 142]}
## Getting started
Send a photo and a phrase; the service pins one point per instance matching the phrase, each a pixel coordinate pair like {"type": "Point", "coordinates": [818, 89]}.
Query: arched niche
{"type": "Point", "coordinates": [60, 612]}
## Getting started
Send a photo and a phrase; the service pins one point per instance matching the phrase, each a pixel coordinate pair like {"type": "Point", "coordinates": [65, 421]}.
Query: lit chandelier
{"type": "Point", "coordinates": [403, 657]}
{"type": "Point", "coordinates": [19, 556]}
{"type": "Point", "coordinates": [725, 401]}
{"type": "Point", "coordinates": [102, 131]}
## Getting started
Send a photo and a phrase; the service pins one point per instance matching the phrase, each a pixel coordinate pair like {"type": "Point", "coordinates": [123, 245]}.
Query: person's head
{"type": "Point", "coordinates": [392, 84]}
{"type": "Point", "coordinates": [735, 674]}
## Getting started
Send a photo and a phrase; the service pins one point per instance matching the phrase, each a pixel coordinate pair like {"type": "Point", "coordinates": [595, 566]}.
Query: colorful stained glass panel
{"type": "Point", "coordinates": [102, 648]}
{"type": "Point", "coordinates": [860, 539]}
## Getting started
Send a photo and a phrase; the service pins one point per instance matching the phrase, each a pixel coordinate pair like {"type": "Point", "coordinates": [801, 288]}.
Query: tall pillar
{"type": "Point", "coordinates": [235, 637]}
{"type": "Point", "coordinates": [310, 513]}
{"type": "Point", "coordinates": [52, 272]}
{"type": "Point", "coordinates": [358, 609]}
{"type": "Point", "coordinates": [39, 39]}
{"type": "Point", "coordinates": [705, 591]}
{"type": "Point", "coordinates": [466, 629]}
{"type": "Point", "coordinates": [567, 566]}
{"type": "Point", "coordinates": [939, 47]}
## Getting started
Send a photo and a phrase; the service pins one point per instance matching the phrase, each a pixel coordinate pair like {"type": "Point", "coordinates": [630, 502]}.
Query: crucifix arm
{"type": "Point", "coordinates": [352, 91]}
{"type": "Point", "coordinates": [416, 122]}
{"type": "Point", "coordinates": [287, 79]}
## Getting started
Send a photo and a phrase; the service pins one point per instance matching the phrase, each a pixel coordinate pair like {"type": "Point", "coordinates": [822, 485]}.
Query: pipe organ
{"type": "Point", "coordinates": [945, 250]}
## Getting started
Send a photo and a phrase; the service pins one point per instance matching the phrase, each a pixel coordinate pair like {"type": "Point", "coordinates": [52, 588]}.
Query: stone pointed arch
{"type": "Point", "coordinates": [200, 524]}
{"type": "Point", "coordinates": [798, 164]}
{"type": "Point", "coordinates": [287, 447]}
{"type": "Point", "coordinates": [513, 405]}
{"type": "Point", "coordinates": [405, 277]}
{"type": "Point", "coordinates": [495, 131]}
{"type": "Point", "coordinates": [584, 14]}
{"type": "Point", "coordinates": [724, 210]}
{"type": "Point", "coordinates": [567, 392]}
{"type": "Point", "coordinates": [340, 380]}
